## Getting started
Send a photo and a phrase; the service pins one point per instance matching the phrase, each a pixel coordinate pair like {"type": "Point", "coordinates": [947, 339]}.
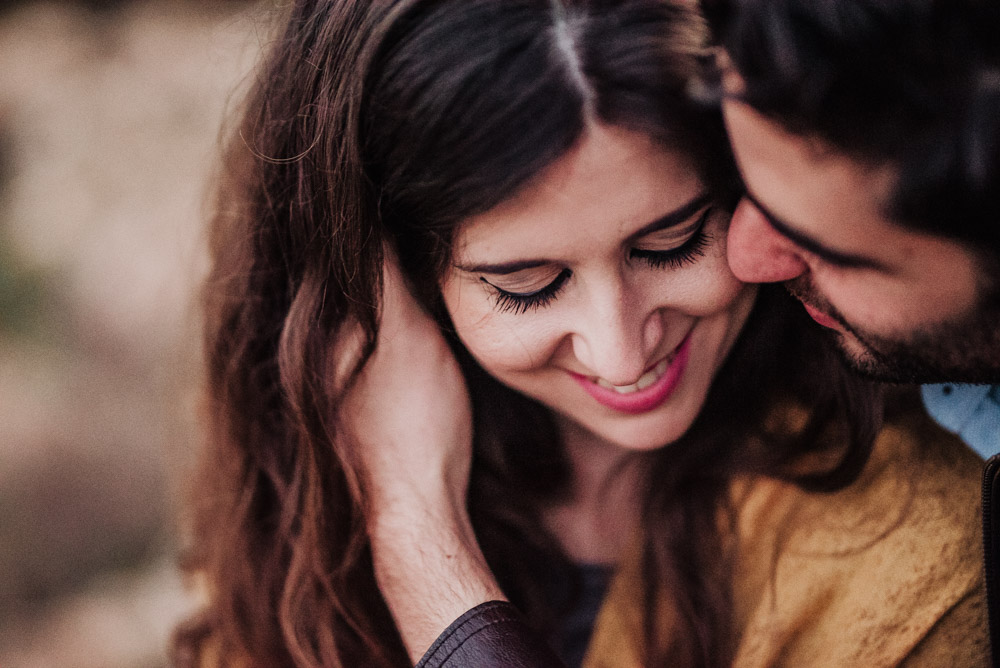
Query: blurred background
{"type": "Point", "coordinates": [110, 115]}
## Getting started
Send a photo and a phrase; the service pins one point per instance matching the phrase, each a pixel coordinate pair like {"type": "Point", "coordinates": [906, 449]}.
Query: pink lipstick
{"type": "Point", "coordinates": [636, 401]}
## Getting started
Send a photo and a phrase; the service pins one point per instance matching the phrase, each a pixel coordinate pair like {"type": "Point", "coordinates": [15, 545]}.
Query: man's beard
{"type": "Point", "coordinates": [965, 349]}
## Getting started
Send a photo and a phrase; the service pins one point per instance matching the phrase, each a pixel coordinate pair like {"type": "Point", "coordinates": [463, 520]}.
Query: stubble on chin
{"type": "Point", "coordinates": [965, 349]}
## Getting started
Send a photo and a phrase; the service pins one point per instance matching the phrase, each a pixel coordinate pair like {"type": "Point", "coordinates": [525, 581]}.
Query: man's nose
{"type": "Point", "coordinates": [757, 253]}
{"type": "Point", "coordinates": [616, 341]}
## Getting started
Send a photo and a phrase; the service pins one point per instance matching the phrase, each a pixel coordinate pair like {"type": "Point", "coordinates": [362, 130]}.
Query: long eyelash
{"type": "Point", "coordinates": [690, 251]}
{"type": "Point", "coordinates": [514, 302]}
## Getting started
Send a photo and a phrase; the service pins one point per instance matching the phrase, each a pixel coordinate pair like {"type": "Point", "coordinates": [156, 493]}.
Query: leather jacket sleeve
{"type": "Point", "coordinates": [491, 635]}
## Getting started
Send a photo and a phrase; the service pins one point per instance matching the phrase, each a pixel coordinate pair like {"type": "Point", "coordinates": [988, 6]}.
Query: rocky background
{"type": "Point", "coordinates": [110, 116]}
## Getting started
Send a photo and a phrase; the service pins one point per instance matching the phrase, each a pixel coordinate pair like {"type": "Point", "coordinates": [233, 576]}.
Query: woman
{"type": "Point", "coordinates": [652, 439]}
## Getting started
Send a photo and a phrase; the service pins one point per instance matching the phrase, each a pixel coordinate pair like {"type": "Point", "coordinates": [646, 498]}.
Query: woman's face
{"type": "Point", "coordinates": [602, 290]}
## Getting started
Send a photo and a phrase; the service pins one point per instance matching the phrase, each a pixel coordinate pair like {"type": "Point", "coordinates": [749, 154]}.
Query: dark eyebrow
{"type": "Point", "coordinates": [673, 218]}
{"type": "Point", "coordinates": [504, 268]}
{"type": "Point", "coordinates": [834, 257]}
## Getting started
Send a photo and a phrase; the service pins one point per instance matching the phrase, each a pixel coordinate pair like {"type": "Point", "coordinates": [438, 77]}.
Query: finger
{"type": "Point", "coordinates": [350, 339]}
{"type": "Point", "coordinates": [400, 310]}
{"type": "Point", "coordinates": [347, 349]}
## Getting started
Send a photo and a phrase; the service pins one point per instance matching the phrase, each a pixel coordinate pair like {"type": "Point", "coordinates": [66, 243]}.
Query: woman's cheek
{"type": "Point", "coordinates": [507, 342]}
{"type": "Point", "coordinates": [499, 341]}
{"type": "Point", "coordinates": [705, 288]}
{"type": "Point", "coordinates": [711, 277]}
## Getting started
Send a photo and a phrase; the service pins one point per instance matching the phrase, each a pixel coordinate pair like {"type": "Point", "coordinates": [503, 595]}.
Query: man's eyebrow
{"type": "Point", "coordinates": [679, 215]}
{"type": "Point", "coordinates": [834, 257]}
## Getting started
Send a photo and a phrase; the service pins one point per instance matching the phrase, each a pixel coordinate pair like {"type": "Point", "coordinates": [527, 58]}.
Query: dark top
{"type": "Point", "coordinates": [577, 625]}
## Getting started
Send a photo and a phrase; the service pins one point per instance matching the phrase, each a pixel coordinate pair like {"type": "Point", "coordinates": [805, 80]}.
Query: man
{"type": "Point", "coordinates": [868, 135]}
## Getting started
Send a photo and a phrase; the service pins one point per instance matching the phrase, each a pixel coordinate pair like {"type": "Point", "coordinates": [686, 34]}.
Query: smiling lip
{"type": "Point", "coordinates": [821, 317]}
{"type": "Point", "coordinates": [644, 400]}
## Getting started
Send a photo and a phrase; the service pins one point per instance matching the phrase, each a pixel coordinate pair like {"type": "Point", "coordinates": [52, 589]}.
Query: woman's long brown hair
{"type": "Point", "coordinates": [378, 121]}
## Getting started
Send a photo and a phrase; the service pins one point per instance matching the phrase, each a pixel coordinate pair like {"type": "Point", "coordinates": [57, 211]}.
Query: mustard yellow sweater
{"type": "Point", "coordinates": [885, 573]}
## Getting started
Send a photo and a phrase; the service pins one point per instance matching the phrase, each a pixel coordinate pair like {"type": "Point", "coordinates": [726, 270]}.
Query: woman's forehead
{"type": "Point", "coordinates": [610, 185]}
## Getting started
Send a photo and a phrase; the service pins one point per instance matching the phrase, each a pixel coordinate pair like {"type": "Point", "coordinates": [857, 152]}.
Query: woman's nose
{"type": "Point", "coordinates": [617, 339]}
{"type": "Point", "coordinates": [757, 253]}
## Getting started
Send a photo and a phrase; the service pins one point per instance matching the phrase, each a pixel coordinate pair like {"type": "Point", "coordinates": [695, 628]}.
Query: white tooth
{"type": "Point", "coordinates": [605, 384]}
{"type": "Point", "coordinates": [625, 389]}
{"type": "Point", "coordinates": [647, 379]}
{"type": "Point", "coordinates": [661, 367]}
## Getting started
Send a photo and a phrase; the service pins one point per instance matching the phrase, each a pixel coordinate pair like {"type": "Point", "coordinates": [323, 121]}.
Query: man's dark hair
{"type": "Point", "coordinates": [911, 83]}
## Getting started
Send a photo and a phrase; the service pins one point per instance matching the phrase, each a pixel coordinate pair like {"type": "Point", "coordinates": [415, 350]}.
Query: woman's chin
{"type": "Point", "coordinates": [633, 436]}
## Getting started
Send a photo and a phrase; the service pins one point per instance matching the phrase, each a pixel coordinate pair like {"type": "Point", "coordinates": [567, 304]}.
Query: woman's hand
{"type": "Point", "coordinates": [410, 418]}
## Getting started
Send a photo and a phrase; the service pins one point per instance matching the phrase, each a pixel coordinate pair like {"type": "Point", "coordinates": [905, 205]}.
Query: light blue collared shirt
{"type": "Point", "coordinates": [971, 411]}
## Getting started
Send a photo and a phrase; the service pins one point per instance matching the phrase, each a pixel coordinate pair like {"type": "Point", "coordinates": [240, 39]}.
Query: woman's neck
{"type": "Point", "coordinates": [597, 519]}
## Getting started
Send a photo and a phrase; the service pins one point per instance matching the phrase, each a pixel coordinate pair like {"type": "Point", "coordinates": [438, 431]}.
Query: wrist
{"type": "Point", "coordinates": [436, 490]}
{"type": "Point", "coordinates": [430, 543]}
{"type": "Point", "coordinates": [429, 568]}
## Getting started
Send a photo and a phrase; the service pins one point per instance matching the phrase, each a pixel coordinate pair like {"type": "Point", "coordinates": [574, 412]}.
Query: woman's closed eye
{"type": "Point", "coordinates": [666, 249]}
{"type": "Point", "coordinates": [518, 301]}
{"type": "Point", "coordinates": [692, 248]}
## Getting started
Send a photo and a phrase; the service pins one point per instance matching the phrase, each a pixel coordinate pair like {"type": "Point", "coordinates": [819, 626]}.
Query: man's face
{"type": "Point", "coordinates": [905, 306]}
